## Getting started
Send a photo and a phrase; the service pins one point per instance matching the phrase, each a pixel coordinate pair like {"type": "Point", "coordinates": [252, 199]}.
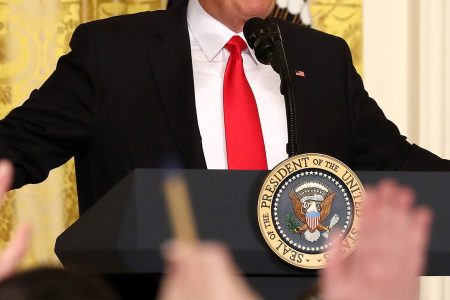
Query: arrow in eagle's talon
{"type": "Point", "coordinates": [333, 222]}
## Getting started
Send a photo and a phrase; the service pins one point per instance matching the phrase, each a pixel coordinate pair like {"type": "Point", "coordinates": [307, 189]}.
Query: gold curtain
{"type": "Point", "coordinates": [33, 34]}
{"type": "Point", "coordinates": [342, 18]}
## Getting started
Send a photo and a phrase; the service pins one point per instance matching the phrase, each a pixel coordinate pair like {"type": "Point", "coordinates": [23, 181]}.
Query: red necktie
{"type": "Point", "coordinates": [244, 139]}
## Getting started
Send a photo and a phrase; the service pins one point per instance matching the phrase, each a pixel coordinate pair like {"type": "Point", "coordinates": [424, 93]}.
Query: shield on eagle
{"type": "Point", "coordinates": [312, 219]}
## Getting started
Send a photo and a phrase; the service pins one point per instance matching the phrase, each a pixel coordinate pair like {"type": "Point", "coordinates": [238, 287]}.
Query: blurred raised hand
{"type": "Point", "coordinates": [391, 250]}
{"type": "Point", "coordinates": [203, 271]}
{"type": "Point", "coordinates": [12, 256]}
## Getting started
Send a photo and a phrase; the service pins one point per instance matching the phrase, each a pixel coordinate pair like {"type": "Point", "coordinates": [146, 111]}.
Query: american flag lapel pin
{"type": "Point", "coordinates": [300, 73]}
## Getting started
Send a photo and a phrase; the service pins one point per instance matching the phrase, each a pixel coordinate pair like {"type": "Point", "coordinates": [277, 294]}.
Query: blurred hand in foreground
{"type": "Point", "coordinates": [16, 250]}
{"type": "Point", "coordinates": [202, 271]}
{"type": "Point", "coordinates": [391, 251]}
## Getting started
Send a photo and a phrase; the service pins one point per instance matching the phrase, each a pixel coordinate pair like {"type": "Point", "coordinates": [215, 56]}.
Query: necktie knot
{"type": "Point", "coordinates": [236, 45]}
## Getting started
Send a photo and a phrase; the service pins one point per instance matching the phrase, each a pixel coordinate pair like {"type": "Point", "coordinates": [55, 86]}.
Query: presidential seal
{"type": "Point", "coordinates": [303, 201]}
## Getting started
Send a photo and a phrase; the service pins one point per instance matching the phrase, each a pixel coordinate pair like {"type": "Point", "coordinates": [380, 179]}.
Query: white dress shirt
{"type": "Point", "coordinates": [209, 59]}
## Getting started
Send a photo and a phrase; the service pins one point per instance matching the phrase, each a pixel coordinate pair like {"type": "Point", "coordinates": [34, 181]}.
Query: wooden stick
{"type": "Point", "coordinates": [180, 208]}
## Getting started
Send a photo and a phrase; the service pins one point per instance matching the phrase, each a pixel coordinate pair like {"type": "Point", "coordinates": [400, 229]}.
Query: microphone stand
{"type": "Point", "coordinates": [286, 89]}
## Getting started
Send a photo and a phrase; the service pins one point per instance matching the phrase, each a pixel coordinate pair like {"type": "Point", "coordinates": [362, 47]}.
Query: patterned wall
{"type": "Point", "coordinates": [33, 34]}
{"type": "Point", "coordinates": [338, 17]}
{"type": "Point", "coordinates": [342, 18]}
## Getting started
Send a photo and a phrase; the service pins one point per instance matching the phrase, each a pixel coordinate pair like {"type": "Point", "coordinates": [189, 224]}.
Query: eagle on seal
{"type": "Point", "coordinates": [312, 205]}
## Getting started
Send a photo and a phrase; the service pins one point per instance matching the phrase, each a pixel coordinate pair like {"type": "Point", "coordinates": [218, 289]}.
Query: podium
{"type": "Point", "coordinates": [122, 233]}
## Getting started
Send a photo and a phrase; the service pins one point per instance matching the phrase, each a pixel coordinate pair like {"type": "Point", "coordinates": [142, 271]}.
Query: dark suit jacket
{"type": "Point", "coordinates": [124, 98]}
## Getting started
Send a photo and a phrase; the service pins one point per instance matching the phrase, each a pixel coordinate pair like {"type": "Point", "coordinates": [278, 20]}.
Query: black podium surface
{"type": "Point", "coordinates": [122, 232]}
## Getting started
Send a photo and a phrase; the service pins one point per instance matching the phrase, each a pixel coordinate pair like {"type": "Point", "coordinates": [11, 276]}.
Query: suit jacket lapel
{"type": "Point", "coordinates": [171, 64]}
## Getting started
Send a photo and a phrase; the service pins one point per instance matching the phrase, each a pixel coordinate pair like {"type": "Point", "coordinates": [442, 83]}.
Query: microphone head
{"type": "Point", "coordinates": [258, 35]}
{"type": "Point", "coordinates": [253, 28]}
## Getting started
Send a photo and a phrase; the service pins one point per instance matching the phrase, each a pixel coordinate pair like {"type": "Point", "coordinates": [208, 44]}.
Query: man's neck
{"type": "Point", "coordinates": [235, 23]}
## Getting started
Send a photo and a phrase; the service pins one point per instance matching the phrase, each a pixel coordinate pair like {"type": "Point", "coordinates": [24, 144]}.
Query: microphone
{"type": "Point", "coordinates": [265, 38]}
{"type": "Point", "coordinates": [258, 36]}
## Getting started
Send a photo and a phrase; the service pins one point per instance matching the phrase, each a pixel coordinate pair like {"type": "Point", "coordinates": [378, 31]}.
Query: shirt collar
{"type": "Point", "coordinates": [209, 33]}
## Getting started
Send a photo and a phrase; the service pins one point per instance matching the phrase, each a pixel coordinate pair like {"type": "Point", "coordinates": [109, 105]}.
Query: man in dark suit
{"type": "Point", "coordinates": [125, 98]}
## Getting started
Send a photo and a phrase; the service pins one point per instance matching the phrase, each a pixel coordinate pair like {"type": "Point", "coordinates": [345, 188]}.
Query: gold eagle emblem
{"type": "Point", "coordinates": [312, 204]}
